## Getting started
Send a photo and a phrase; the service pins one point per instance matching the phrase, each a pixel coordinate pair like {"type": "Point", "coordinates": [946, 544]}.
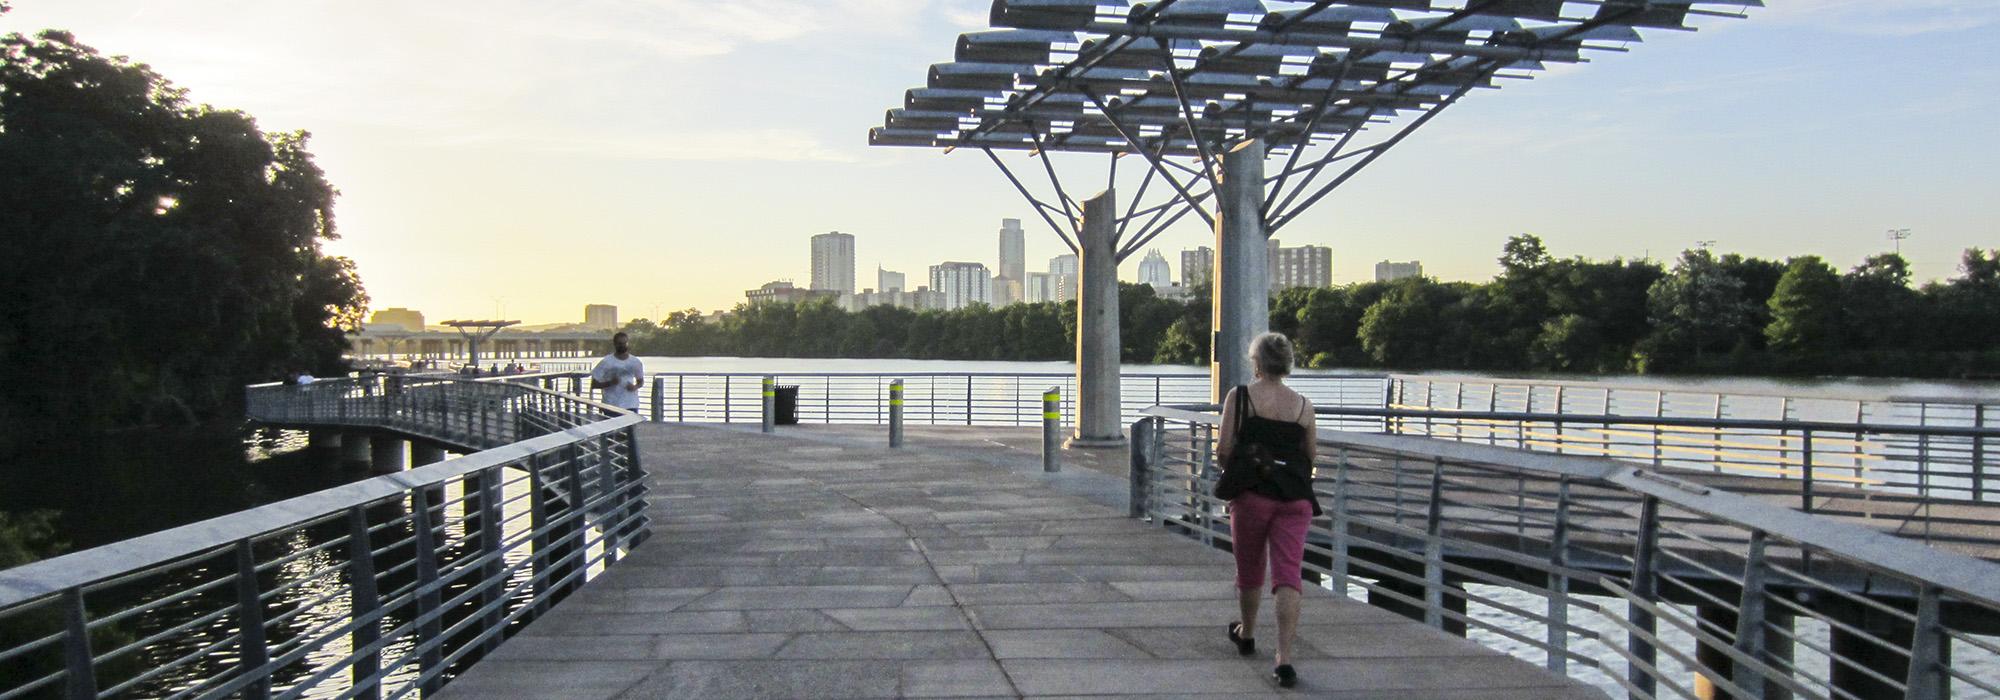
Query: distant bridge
{"type": "Point", "coordinates": [508, 344]}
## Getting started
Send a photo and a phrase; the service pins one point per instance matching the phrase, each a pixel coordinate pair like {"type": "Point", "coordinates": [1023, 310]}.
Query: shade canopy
{"type": "Point", "coordinates": [1174, 77]}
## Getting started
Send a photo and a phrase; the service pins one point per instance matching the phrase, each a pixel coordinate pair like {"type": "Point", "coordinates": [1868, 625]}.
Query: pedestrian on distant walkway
{"type": "Point", "coordinates": [1266, 449]}
{"type": "Point", "coordinates": [619, 374]}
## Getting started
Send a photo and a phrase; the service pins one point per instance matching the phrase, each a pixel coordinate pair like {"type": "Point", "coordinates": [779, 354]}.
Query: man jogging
{"type": "Point", "coordinates": [619, 374]}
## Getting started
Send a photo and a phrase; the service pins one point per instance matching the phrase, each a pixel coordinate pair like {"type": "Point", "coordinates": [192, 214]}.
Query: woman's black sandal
{"type": "Point", "coordinates": [1244, 645]}
{"type": "Point", "coordinates": [1285, 675]}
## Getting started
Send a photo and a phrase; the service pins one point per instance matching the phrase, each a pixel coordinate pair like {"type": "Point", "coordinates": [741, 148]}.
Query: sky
{"type": "Point", "coordinates": [503, 158]}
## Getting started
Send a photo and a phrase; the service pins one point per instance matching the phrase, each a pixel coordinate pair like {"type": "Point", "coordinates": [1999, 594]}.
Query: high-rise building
{"type": "Point", "coordinates": [1386, 271]}
{"type": "Point", "coordinates": [412, 321]}
{"type": "Point", "coordinates": [600, 316]}
{"type": "Point", "coordinates": [782, 292]}
{"type": "Point", "coordinates": [1038, 287]}
{"type": "Point", "coordinates": [1007, 291]}
{"type": "Point", "coordinates": [833, 262]}
{"type": "Point", "coordinates": [1155, 272]}
{"type": "Point", "coordinates": [1197, 266]}
{"type": "Point", "coordinates": [962, 283]}
{"type": "Point", "coordinates": [888, 281]}
{"type": "Point", "coordinates": [1304, 266]}
{"type": "Point", "coordinates": [1013, 262]}
{"type": "Point", "coordinates": [1063, 276]}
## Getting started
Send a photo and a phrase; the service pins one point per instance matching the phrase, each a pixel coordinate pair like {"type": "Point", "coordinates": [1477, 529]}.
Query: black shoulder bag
{"type": "Point", "coordinates": [1249, 464]}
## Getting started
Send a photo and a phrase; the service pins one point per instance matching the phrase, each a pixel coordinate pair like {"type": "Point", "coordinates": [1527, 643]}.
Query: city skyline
{"type": "Point", "coordinates": [453, 144]}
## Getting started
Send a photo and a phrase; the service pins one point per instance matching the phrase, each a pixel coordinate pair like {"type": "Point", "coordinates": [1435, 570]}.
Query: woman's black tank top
{"type": "Point", "coordinates": [1285, 441]}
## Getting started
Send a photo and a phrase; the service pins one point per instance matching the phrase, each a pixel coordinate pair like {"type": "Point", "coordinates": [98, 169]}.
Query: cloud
{"type": "Point", "coordinates": [1874, 17]}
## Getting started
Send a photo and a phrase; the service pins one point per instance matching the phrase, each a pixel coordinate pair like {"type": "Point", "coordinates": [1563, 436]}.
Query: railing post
{"type": "Point", "coordinates": [680, 398]}
{"type": "Point", "coordinates": [1806, 471]}
{"type": "Point", "coordinates": [659, 399]}
{"type": "Point", "coordinates": [1051, 428]}
{"type": "Point", "coordinates": [1645, 589]}
{"type": "Point", "coordinates": [1341, 525]}
{"type": "Point", "coordinates": [1434, 549]}
{"type": "Point", "coordinates": [430, 635]}
{"type": "Point", "coordinates": [1750, 612]}
{"type": "Point", "coordinates": [1978, 453]}
{"type": "Point", "coordinates": [1926, 679]}
{"type": "Point", "coordinates": [363, 601]}
{"type": "Point", "coordinates": [256, 652]}
{"type": "Point", "coordinates": [538, 527]}
{"type": "Point", "coordinates": [81, 683]}
{"type": "Point", "coordinates": [770, 403]}
{"type": "Point", "coordinates": [968, 411]}
{"type": "Point", "coordinates": [896, 413]}
{"type": "Point", "coordinates": [1558, 626]}
{"type": "Point", "coordinates": [1143, 432]}
{"type": "Point", "coordinates": [490, 533]}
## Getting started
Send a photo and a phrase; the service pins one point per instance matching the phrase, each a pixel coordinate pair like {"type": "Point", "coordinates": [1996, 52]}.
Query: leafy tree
{"type": "Point", "coordinates": [1805, 310]}
{"type": "Point", "coordinates": [1699, 308]}
{"type": "Point", "coordinates": [1569, 343]}
{"type": "Point", "coordinates": [1878, 308]}
{"type": "Point", "coordinates": [155, 256]}
{"type": "Point", "coordinates": [1401, 329]}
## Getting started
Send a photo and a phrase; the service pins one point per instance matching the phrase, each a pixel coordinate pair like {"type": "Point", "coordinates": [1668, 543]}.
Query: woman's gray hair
{"type": "Point", "coordinates": [1271, 354]}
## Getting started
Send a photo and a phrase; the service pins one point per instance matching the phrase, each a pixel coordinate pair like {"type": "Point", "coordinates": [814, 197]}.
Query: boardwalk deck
{"type": "Point", "coordinates": [809, 564]}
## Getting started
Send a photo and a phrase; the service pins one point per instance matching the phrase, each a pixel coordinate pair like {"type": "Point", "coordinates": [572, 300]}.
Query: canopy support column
{"type": "Point", "coordinates": [1098, 423]}
{"type": "Point", "coordinates": [1242, 282]}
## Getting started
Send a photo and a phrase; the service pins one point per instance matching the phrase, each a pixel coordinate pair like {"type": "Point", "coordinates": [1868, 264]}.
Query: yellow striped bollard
{"type": "Point", "coordinates": [770, 403]}
{"type": "Point", "coordinates": [1051, 429]}
{"type": "Point", "coordinates": [896, 413]}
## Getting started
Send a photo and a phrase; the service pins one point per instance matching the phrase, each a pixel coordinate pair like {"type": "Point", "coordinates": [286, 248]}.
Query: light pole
{"type": "Point", "coordinates": [1896, 235]}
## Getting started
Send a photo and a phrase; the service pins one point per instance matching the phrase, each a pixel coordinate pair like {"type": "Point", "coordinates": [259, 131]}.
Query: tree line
{"type": "Point", "coordinates": [155, 255]}
{"type": "Point", "coordinates": [1707, 313]}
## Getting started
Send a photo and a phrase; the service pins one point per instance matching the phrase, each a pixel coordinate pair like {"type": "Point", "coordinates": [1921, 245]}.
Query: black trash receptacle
{"type": "Point", "coordinates": [786, 405]}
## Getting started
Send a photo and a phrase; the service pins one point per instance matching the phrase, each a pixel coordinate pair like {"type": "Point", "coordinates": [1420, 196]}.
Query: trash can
{"type": "Point", "coordinates": [786, 405]}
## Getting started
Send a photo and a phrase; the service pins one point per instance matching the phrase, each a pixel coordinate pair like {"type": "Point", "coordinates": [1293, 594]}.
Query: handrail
{"type": "Point", "coordinates": [1968, 575]}
{"type": "Point", "coordinates": [407, 573]}
{"type": "Point", "coordinates": [1702, 584]}
{"type": "Point", "coordinates": [46, 577]}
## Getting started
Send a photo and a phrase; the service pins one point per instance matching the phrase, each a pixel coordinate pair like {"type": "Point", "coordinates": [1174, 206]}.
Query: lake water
{"type": "Point", "coordinates": [1857, 388]}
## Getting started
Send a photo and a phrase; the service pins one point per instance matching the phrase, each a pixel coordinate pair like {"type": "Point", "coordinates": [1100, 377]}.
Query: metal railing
{"type": "Point", "coordinates": [1823, 458]}
{"type": "Point", "coordinates": [1640, 583]}
{"type": "Point", "coordinates": [945, 398]}
{"type": "Point", "coordinates": [383, 587]}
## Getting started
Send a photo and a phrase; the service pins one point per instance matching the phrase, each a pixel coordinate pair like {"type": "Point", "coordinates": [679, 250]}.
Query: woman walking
{"type": "Point", "coordinates": [1266, 448]}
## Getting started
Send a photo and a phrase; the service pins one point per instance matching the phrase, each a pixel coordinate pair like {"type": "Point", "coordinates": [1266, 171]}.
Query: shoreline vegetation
{"type": "Point", "coordinates": [1707, 314]}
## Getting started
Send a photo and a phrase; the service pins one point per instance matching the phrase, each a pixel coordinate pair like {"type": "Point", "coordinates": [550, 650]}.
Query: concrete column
{"type": "Point", "coordinates": [422, 453]}
{"type": "Point", "coordinates": [322, 439]}
{"type": "Point", "coordinates": [385, 453]}
{"type": "Point", "coordinates": [1097, 340]}
{"type": "Point", "coordinates": [354, 447]}
{"type": "Point", "coordinates": [1242, 288]}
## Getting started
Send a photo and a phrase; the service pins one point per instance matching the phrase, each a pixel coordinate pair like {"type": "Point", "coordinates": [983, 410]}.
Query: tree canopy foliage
{"type": "Point", "coordinates": [1709, 313]}
{"type": "Point", "coordinates": [155, 255]}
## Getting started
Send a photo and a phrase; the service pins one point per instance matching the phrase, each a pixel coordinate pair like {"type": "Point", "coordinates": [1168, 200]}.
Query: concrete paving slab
{"type": "Point", "coordinates": [782, 567]}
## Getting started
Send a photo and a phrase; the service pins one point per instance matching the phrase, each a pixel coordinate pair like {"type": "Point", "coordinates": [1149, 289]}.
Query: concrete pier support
{"type": "Point", "coordinates": [354, 448]}
{"type": "Point", "coordinates": [323, 439]}
{"type": "Point", "coordinates": [1242, 288]}
{"type": "Point", "coordinates": [422, 453]}
{"type": "Point", "coordinates": [386, 455]}
{"type": "Point", "coordinates": [1097, 339]}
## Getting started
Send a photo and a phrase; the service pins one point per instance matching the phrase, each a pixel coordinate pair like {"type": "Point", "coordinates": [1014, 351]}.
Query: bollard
{"type": "Point", "coordinates": [896, 413]}
{"type": "Point", "coordinates": [770, 403]}
{"type": "Point", "coordinates": [1051, 429]}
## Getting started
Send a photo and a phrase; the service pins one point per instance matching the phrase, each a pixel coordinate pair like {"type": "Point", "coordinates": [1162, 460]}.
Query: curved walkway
{"type": "Point", "coordinates": [807, 565]}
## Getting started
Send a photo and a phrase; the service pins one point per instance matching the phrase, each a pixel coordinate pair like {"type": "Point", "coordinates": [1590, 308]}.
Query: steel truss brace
{"type": "Point", "coordinates": [1285, 215]}
{"type": "Point", "coordinates": [1041, 207]}
{"type": "Point", "coordinates": [1155, 159]}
